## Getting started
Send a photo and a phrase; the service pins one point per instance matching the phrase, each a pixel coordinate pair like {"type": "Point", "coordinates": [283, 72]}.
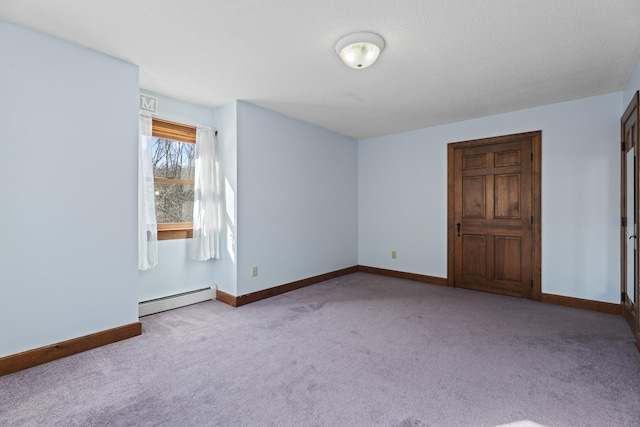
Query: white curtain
{"type": "Point", "coordinates": [206, 229]}
{"type": "Point", "coordinates": [147, 227]}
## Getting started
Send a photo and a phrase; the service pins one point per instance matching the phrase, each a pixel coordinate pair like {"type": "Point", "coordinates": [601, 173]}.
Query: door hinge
{"type": "Point", "coordinates": [531, 283]}
{"type": "Point", "coordinates": [624, 146]}
{"type": "Point", "coordinates": [623, 297]}
{"type": "Point", "coordinates": [624, 221]}
{"type": "Point", "coordinates": [531, 156]}
{"type": "Point", "coordinates": [531, 219]}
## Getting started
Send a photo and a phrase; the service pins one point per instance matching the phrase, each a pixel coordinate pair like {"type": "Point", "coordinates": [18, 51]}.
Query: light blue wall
{"type": "Point", "coordinates": [633, 84]}
{"type": "Point", "coordinates": [297, 199]}
{"type": "Point", "coordinates": [68, 219]}
{"type": "Point", "coordinates": [403, 194]}
{"type": "Point", "coordinates": [225, 119]}
{"type": "Point", "coordinates": [176, 271]}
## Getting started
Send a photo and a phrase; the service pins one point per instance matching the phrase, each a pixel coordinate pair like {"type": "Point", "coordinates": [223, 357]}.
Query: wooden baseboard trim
{"type": "Point", "coordinates": [403, 275]}
{"type": "Point", "coordinates": [38, 356]}
{"type": "Point", "coordinates": [226, 298]}
{"type": "Point", "coordinates": [585, 304]}
{"type": "Point", "coordinates": [277, 290]}
{"type": "Point", "coordinates": [237, 301]}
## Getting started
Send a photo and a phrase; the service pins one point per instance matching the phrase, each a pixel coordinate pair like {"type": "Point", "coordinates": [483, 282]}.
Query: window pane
{"type": "Point", "coordinates": [174, 202]}
{"type": "Point", "coordinates": [173, 159]}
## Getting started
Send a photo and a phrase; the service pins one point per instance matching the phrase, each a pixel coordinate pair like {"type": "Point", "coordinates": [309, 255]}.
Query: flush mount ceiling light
{"type": "Point", "coordinates": [359, 50]}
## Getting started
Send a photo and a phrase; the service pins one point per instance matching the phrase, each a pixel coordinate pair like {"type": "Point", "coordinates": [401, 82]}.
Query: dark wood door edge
{"type": "Point", "coordinates": [630, 312]}
{"type": "Point", "coordinates": [38, 356]}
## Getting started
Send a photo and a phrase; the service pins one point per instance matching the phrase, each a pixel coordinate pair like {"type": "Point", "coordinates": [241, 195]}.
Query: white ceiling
{"type": "Point", "coordinates": [444, 61]}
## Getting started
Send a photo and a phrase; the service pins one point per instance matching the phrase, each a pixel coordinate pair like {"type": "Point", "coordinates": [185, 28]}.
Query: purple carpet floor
{"type": "Point", "coordinates": [359, 350]}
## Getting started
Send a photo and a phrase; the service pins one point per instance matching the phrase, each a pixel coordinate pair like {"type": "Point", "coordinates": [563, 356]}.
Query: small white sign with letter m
{"type": "Point", "coordinates": [149, 104]}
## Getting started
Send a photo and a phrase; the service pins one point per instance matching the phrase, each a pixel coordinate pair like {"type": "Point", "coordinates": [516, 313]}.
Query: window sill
{"type": "Point", "coordinates": [175, 231]}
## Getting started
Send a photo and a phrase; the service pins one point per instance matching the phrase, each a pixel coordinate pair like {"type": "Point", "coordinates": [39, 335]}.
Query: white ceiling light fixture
{"type": "Point", "coordinates": [359, 50]}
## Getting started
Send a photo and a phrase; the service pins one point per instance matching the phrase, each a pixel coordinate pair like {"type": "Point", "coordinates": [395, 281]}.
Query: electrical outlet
{"type": "Point", "coordinates": [254, 271]}
{"type": "Point", "coordinates": [394, 255]}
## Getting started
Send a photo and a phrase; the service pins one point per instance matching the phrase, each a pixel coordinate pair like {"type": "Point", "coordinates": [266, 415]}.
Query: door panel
{"type": "Point", "coordinates": [492, 186]}
{"type": "Point", "coordinates": [474, 254]}
{"type": "Point", "coordinates": [474, 201]}
{"type": "Point", "coordinates": [473, 162]}
{"type": "Point", "coordinates": [507, 158]}
{"type": "Point", "coordinates": [507, 196]}
{"type": "Point", "coordinates": [508, 254]}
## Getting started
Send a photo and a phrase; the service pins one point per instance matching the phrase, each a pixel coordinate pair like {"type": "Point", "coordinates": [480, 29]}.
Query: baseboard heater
{"type": "Point", "coordinates": [146, 308]}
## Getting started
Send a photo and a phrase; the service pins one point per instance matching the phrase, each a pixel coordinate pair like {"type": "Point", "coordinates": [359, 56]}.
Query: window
{"type": "Point", "coordinates": [173, 170]}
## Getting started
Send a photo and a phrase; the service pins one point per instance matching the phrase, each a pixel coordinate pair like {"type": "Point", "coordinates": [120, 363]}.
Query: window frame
{"type": "Point", "coordinates": [183, 133]}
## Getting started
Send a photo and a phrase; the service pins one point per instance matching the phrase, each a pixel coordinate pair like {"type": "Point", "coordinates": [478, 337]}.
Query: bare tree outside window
{"type": "Point", "coordinates": [173, 169]}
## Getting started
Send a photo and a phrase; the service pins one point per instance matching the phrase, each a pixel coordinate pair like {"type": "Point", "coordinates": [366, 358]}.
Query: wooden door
{"type": "Point", "coordinates": [629, 213]}
{"type": "Point", "coordinates": [493, 214]}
